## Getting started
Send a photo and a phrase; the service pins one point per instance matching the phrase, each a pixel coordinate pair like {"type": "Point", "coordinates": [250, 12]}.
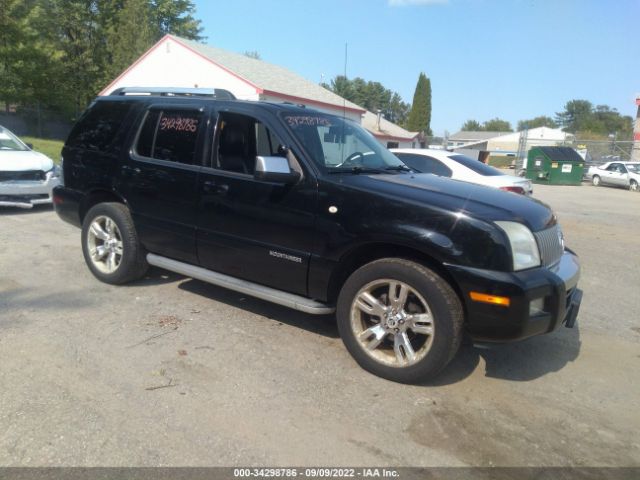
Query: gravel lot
{"type": "Point", "coordinates": [172, 371]}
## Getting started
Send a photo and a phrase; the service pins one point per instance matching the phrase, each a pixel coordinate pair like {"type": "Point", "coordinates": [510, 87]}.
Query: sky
{"type": "Point", "coordinates": [513, 59]}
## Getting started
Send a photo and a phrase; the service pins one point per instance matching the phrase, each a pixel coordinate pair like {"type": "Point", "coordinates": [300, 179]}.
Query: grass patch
{"type": "Point", "coordinates": [500, 161]}
{"type": "Point", "coordinates": [51, 148]}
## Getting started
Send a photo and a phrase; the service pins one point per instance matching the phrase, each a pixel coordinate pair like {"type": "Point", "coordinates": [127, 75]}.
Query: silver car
{"type": "Point", "coordinates": [460, 167]}
{"type": "Point", "coordinates": [616, 174]}
{"type": "Point", "coordinates": [26, 177]}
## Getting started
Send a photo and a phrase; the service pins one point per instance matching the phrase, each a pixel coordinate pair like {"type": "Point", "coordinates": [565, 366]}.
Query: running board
{"type": "Point", "coordinates": [272, 295]}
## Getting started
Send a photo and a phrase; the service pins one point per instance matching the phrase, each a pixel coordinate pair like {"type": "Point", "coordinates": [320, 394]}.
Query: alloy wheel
{"type": "Point", "coordinates": [392, 323]}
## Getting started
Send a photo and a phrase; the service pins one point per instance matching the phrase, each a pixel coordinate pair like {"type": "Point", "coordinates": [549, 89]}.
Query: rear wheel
{"type": "Point", "coordinates": [595, 180]}
{"type": "Point", "coordinates": [110, 244]}
{"type": "Point", "coordinates": [633, 186]}
{"type": "Point", "coordinates": [399, 320]}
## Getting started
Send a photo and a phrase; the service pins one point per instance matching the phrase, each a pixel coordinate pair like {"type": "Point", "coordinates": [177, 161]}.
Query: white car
{"type": "Point", "coordinates": [460, 167]}
{"type": "Point", "coordinates": [616, 174]}
{"type": "Point", "coordinates": [26, 177]}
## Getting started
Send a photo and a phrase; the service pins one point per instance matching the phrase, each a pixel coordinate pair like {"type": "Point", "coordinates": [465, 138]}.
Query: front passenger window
{"type": "Point", "coordinates": [240, 138]}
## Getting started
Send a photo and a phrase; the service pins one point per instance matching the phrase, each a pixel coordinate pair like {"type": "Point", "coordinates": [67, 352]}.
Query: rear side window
{"type": "Point", "coordinates": [170, 135]}
{"type": "Point", "coordinates": [424, 164]}
{"type": "Point", "coordinates": [98, 127]}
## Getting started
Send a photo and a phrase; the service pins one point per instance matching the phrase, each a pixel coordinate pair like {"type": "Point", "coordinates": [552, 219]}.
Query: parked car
{"type": "Point", "coordinates": [308, 210]}
{"type": "Point", "coordinates": [26, 177]}
{"type": "Point", "coordinates": [616, 174]}
{"type": "Point", "coordinates": [460, 167]}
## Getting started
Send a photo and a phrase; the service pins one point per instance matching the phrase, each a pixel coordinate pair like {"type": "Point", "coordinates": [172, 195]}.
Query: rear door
{"type": "Point", "coordinates": [251, 229]}
{"type": "Point", "coordinates": [159, 178]}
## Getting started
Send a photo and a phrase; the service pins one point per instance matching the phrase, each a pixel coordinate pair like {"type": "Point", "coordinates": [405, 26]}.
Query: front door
{"type": "Point", "coordinates": [616, 174]}
{"type": "Point", "coordinates": [250, 229]}
{"type": "Point", "coordinates": [159, 179]}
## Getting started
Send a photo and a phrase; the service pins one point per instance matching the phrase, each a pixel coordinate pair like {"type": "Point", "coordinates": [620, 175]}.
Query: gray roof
{"type": "Point", "coordinates": [370, 122]}
{"type": "Point", "coordinates": [267, 76]}
{"type": "Point", "coordinates": [476, 136]}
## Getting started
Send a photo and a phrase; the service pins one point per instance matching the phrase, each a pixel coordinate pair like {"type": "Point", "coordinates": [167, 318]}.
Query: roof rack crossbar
{"type": "Point", "coordinates": [216, 93]}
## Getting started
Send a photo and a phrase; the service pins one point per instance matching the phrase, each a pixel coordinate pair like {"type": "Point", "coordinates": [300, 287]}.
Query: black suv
{"type": "Point", "coordinates": [308, 210]}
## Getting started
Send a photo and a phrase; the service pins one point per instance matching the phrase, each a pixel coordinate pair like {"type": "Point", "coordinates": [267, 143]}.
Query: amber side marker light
{"type": "Point", "coordinates": [484, 298]}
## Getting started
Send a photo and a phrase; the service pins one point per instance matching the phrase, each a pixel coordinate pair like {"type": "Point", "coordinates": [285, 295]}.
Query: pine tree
{"type": "Point", "coordinates": [420, 115]}
{"type": "Point", "coordinates": [129, 37]}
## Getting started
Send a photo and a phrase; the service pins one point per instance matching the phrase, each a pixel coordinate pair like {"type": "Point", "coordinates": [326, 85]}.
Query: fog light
{"type": "Point", "coordinates": [536, 307]}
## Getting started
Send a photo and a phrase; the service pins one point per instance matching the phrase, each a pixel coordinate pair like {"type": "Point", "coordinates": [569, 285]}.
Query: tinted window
{"type": "Point", "coordinates": [99, 125]}
{"type": "Point", "coordinates": [424, 164]}
{"type": "Point", "coordinates": [617, 167]}
{"type": "Point", "coordinates": [170, 135]}
{"type": "Point", "coordinates": [477, 166]}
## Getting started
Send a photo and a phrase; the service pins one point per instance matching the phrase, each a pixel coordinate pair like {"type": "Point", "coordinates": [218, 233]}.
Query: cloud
{"type": "Point", "coordinates": [404, 3]}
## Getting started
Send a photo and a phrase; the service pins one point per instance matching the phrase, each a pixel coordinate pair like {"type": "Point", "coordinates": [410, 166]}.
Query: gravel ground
{"type": "Point", "coordinates": [171, 371]}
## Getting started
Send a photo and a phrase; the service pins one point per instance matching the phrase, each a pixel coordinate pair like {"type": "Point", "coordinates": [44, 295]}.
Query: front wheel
{"type": "Point", "coordinates": [595, 180]}
{"type": "Point", "coordinates": [399, 320]}
{"type": "Point", "coordinates": [110, 244]}
{"type": "Point", "coordinates": [633, 186]}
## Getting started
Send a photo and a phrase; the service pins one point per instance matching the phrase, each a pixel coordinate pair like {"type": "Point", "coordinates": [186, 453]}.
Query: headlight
{"type": "Point", "coordinates": [524, 248]}
{"type": "Point", "coordinates": [55, 172]}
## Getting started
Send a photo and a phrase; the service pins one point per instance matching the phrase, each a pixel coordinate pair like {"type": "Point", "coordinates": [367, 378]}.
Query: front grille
{"type": "Point", "coordinates": [23, 176]}
{"type": "Point", "coordinates": [551, 245]}
{"type": "Point", "coordinates": [23, 198]}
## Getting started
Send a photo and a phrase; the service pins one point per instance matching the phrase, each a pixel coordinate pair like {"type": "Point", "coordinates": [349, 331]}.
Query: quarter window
{"type": "Point", "coordinates": [99, 126]}
{"type": "Point", "coordinates": [170, 135]}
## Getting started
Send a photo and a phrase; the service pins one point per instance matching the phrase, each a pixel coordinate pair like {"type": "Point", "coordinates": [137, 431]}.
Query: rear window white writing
{"type": "Point", "coordinates": [308, 120]}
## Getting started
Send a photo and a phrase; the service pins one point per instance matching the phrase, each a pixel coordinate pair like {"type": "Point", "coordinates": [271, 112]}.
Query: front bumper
{"type": "Point", "coordinates": [26, 194]}
{"type": "Point", "coordinates": [554, 290]}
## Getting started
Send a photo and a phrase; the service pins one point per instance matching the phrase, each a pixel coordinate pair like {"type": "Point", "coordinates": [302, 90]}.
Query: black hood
{"type": "Point", "coordinates": [484, 203]}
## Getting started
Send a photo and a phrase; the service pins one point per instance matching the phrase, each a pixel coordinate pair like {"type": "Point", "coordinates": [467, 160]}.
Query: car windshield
{"type": "Point", "coordinates": [477, 166]}
{"type": "Point", "coordinates": [8, 141]}
{"type": "Point", "coordinates": [633, 167]}
{"type": "Point", "coordinates": [340, 145]}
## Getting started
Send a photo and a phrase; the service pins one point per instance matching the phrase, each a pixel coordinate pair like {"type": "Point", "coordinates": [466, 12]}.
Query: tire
{"type": "Point", "coordinates": [110, 244]}
{"type": "Point", "coordinates": [595, 180]}
{"type": "Point", "coordinates": [633, 186]}
{"type": "Point", "coordinates": [426, 314]}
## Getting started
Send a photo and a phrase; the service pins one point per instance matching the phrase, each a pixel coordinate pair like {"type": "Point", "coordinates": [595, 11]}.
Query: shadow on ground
{"type": "Point", "coordinates": [324, 325]}
{"type": "Point", "coordinates": [155, 276]}
{"type": "Point", "coordinates": [12, 211]}
{"type": "Point", "coordinates": [519, 361]}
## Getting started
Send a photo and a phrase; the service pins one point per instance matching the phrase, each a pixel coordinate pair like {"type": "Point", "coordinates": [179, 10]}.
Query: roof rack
{"type": "Point", "coordinates": [215, 93]}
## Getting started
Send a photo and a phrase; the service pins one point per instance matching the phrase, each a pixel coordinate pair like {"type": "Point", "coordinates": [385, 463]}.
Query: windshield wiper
{"type": "Point", "coordinates": [356, 170]}
{"type": "Point", "coordinates": [399, 168]}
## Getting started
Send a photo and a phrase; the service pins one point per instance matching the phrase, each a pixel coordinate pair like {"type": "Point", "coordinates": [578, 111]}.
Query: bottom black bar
{"type": "Point", "coordinates": [403, 473]}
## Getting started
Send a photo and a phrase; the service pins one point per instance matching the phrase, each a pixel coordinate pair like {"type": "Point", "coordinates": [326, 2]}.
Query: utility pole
{"type": "Point", "coordinates": [635, 151]}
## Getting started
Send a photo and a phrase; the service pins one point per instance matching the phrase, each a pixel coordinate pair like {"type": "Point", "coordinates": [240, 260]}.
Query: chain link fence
{"type": "Point", "coordinates": [36, 122]}
{"type": "Point", "coordinates": [595, 152]}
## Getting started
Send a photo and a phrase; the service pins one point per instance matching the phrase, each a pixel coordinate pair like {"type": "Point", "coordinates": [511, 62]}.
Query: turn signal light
{"type": "Point", "coordinates": [484, 298]}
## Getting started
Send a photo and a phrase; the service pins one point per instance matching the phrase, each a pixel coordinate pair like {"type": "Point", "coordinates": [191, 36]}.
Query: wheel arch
{"type": "Point", "coordinates": [96, 196]}
{"type": "Point", "coordinates": [367, 253]}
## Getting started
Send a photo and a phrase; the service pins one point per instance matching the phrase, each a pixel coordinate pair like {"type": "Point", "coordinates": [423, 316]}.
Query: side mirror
{"type": "Point", "coordinates": [276, 170]}
{"type": "Point", "coordinates": [30, 145]}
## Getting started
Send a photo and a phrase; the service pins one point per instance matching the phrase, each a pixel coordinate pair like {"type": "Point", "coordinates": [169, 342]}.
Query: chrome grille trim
{"type": "Point", "coordinates": [550, 245]}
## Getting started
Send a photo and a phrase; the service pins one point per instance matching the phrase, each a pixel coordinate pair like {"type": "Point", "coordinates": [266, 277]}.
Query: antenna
{"type": "Point", "coordinates": [344, 100]}
{"type": "Point", "coordinates": [344, 105]}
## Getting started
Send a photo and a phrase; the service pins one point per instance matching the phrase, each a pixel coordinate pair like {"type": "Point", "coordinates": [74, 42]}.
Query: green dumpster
{"type": "Point", "coordinates": [555, 166]}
